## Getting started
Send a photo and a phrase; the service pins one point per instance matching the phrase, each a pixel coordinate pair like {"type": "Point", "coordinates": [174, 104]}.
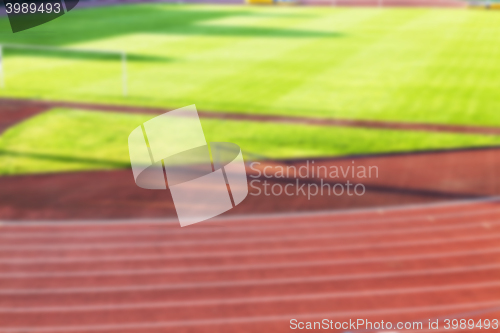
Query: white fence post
{"type": "Point", "coordinates": [124, 75]}
{"type": "Point", "coordinates": [2, 82]}
{"type": "Point", "coordinates": [122, 55]}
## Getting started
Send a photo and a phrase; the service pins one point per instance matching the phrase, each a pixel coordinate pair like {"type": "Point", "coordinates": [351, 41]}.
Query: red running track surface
{"type": "Point", "coordinates": [405, 178]}
{"type": "Point", "coordinates": [252, 274]}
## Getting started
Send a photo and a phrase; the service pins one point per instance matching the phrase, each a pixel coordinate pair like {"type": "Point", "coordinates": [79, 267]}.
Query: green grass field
{"type": "Point", "coordinates": [421, 65]}
{"type": "Point", "coordinates": [69, 140]}
{"type": "Point", "coordinates": [425, 65]}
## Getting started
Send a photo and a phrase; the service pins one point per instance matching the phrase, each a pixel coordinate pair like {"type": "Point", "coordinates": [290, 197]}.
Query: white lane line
{"type": "Point", "coordinates": [460, 204]}
{"type": "Point", "coordinates": [237, 228]}
{"type": "Point", "coordinates": [232, 254]}
{"type": "Point", "coordinates": [240, 240]}
{"type": "Point", "coordinates": [249, 283]}
{"type": "Point", "coordinates": [248, 300]}
{"type": "Point", "coordinates": [249, 319]}
{"type": "Point", "coordinates": [245, 267]}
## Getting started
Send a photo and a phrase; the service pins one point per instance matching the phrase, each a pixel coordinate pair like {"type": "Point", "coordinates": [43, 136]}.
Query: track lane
{"type": "Point", "coordinates": [409, 264]}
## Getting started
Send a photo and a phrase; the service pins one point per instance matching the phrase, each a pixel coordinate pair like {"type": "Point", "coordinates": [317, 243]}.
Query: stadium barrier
{"type": "Point", "coordinates": [366, 3]}
{"type": "Point", "coordinates": [271, 2]}
{"type": "Point", "coordinates": [484, 5]}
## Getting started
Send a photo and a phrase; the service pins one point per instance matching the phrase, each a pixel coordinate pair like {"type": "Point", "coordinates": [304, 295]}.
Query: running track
{"type": "Point", "coordinates": [252, 275]}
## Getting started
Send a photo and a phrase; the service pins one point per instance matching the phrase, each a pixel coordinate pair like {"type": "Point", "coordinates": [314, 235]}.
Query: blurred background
{"type": "Point", "coordinates": [408, 87]}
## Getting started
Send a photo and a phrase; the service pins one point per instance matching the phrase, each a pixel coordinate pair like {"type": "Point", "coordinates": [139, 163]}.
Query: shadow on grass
{"type": "Point", "coordinates": [107, 22]}
{"type": "Point", "coordinates": [83, 55]}
{"type": "Point", "coordinates": [239, 31]}
{"type": "Point", "coordinates": [103, 163]}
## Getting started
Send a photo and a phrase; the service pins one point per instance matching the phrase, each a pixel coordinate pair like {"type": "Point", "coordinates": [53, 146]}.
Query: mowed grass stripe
{"type": "Point", "coordinates": [433, 65]}
{"type": "Point", "coordinates": [71, 140]}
